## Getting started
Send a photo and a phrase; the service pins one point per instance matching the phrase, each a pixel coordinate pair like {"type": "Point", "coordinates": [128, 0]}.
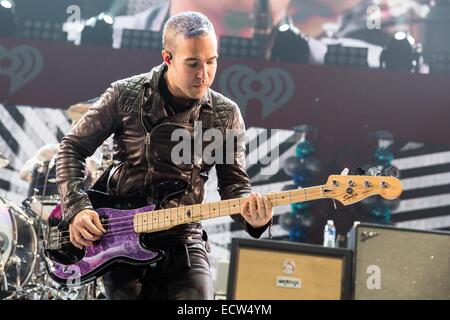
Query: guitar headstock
{"type": "Point", "coordinates": [351, 189]}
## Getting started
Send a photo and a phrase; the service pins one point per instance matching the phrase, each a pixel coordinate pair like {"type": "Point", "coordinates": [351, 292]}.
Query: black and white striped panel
{"type": "Point", "coordinates": [23, 130]}
{"type": "Point", "coordinates": [222, 230]}
{"type": "Point", "coordinates": [425, 201]}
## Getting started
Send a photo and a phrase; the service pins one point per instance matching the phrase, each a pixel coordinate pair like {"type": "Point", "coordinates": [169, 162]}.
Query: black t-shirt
{"type": "Point", "coordinates": [172, 105]}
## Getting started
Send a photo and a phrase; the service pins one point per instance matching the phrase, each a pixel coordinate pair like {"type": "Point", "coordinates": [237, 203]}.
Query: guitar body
{"type": "Point", "coordinates": [69, 265]}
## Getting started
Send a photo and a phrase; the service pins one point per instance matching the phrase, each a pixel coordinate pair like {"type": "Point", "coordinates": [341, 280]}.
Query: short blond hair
{"type": "Point", "coordinates": [189, 24]}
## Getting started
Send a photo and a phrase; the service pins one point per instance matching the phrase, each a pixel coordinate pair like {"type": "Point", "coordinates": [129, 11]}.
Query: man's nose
{"type": "Point", "coordinates": [203, 73]}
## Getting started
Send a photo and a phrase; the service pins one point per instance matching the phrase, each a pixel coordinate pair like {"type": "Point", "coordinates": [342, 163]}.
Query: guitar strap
{"type": "Point", "coordinates": [208, 117]}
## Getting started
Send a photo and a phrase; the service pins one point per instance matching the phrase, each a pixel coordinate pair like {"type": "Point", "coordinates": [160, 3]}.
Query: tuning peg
{"type": "Point", "coordinates": [358, 171]}
{"type": "Point", "coordinates": [391, 172]}
{"type": "Point", "coordinates": [374, 171]}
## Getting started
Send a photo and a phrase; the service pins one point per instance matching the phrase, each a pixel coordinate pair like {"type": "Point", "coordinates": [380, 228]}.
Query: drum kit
{"type": "Point", "coordinates": [23, 274]}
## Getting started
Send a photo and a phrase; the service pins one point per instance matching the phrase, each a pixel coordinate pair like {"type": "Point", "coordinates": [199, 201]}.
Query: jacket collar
{"type": "Point", "coordinates": [154, 76]}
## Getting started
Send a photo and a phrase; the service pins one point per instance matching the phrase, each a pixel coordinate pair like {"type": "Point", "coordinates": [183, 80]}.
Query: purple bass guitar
{"type": "Point", "coordinates": [122, 242]}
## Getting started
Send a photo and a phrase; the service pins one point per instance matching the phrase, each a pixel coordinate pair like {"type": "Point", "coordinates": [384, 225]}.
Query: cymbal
{"type": "Point", "coordinates": [3, 161]}
{"type": "Point", "coordinates": [76, 111]}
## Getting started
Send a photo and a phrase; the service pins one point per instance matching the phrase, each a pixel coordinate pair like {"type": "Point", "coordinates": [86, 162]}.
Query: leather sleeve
{"type": "Point", "coordinates": [233, 180]}
{"type": "Point", "coordinates": [81, 142]}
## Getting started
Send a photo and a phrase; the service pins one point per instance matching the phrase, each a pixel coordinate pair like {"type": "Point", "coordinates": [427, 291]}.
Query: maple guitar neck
{"type": "Point", "coordinates": [164, 219]}
{"type": "Point", "coordinates": [345, 189]}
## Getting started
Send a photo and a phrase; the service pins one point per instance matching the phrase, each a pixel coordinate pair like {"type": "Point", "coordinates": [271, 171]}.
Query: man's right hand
{"type": "Point", "coordinates": [85, 228]}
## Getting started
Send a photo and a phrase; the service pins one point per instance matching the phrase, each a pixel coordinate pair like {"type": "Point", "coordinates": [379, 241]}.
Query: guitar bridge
{"type": "Point", "coordinates": [53, 239]}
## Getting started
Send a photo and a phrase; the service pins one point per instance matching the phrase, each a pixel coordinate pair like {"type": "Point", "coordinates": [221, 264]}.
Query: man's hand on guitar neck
{"type": "Point", "coordinates": [85, 228]}
{"type": "Point", "coordinates": [257, 210]}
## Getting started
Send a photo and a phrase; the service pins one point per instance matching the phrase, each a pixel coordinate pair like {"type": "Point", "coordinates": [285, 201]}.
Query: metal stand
{"type": "Point", "coordinates": [3, 278]}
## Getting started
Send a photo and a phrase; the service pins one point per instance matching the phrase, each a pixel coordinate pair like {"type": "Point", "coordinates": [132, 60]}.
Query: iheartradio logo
{"type": "Point", "coordinates": [20, 64]}
{"type": "Point", "coordinates": [272, 87]}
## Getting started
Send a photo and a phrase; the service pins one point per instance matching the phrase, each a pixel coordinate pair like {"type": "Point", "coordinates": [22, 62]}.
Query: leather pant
{"type": "Point", "coordinates": [184, 274]}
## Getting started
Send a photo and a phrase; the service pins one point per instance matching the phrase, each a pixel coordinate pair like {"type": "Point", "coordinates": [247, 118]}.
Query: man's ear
{"type": "Point", "coordinates": [167, 57]}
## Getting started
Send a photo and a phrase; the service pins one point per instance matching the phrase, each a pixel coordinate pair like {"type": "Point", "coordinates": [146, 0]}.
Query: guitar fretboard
{"type": "Point", "coordinates": [158, 220]}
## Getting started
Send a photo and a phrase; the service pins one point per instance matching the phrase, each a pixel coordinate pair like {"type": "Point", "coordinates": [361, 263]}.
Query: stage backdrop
{"type": "Point", "coordinates": [39, 79]}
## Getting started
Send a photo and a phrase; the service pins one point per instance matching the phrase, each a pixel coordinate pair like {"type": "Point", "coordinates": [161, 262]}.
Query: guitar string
{"type": "Point", "coordinates": [239, 200]}
{"type": "Point", "coordinates": [127, 219]}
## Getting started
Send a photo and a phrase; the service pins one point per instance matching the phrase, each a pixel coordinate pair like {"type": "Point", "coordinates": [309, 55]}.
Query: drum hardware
{"type": "Point", "coordinates": [3, 278]}
{"type": "Point", "coordinates": [4, 162]}
{"type": "Point", "coordinates": [18, 263]}
{"type": "Point", "coordinates": [19, 250]}
{"type": "Point", "coordinates": [106, 158]}
{"type": "Point", "coordinates": [23, 274]}
{"type": "Point", "coordinates": [44, 195]}
{"type": "Point", "coordinates": [3, 246]}
{"type": "Point", "coordinates": [40, 207]}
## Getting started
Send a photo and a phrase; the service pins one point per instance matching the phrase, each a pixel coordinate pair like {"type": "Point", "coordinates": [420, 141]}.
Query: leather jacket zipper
{"type": "Point", "coordinates": [146, 139]}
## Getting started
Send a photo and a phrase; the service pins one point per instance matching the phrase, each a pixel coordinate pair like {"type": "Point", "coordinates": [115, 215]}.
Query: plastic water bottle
{"type": "Point", "coordinates": [329, 235]}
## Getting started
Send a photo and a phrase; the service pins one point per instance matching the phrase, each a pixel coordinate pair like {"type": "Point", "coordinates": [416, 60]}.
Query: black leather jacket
{"type": "Point", "coordinates": [133, 110]}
